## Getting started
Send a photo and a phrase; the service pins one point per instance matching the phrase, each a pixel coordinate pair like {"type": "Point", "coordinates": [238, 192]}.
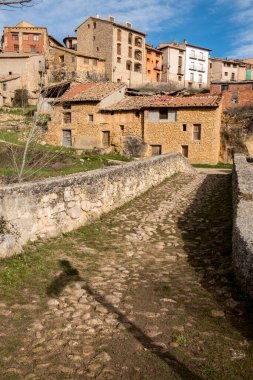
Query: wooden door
{"type": "Point", "coordinates": [106, 139]}
{"type": "Point", "coordinates": [67, 137]}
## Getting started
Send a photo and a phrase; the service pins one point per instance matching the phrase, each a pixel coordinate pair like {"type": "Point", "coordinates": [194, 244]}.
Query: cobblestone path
{"type": "Point", "coordinates": [148, 292]}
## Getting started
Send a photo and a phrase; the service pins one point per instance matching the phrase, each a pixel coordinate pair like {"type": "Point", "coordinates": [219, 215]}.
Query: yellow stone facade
{"type": "Point", "coordinates": [88, 132]}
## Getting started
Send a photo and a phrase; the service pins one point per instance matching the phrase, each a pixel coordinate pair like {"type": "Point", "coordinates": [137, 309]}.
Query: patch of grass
{"type": "Point", "coordinates": [27, 111]}
{"type": "Point", "coordinates": [220, 165]}
{"type": "Point", "coordinates": [9, 136]}
{"type": "Point", "coordinates": [182, 340]}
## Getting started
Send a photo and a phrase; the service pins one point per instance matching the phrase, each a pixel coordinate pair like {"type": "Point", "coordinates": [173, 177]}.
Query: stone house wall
{"type": "Point", "coordinates": [171, 136]}
{"type": "Point", "coordinates": [89, 134]}
{"type": "Point", "coordinates": [46, 208]}
{"type": "Point", "coordinates": [243, 221]}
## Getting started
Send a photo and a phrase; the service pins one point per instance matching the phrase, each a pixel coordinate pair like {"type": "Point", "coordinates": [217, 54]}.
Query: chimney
{"type": "Point", "coordinates": [97, 15]}
{"type": "Point", "coordinates": [185, 41]}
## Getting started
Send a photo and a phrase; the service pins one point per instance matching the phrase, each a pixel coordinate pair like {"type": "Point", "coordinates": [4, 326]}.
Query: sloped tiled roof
{"type": "Point", "coordinates": [91, 91]}
{"type": "Point", "coordinates": [143, 102]}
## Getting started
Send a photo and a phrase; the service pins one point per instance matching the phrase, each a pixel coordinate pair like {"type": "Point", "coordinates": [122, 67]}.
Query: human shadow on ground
{"type": "Point", "coordinates": [207, 234]}
{"type": "Point", "coordinates": [68, 275]}
{"type": "Point", "coordinates": [71, 274]}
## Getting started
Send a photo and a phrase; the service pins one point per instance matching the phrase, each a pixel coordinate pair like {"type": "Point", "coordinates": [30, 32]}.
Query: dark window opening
{"type": "Point", "coordinates": [196, 131]}
{"type": "Point", "coordinates": [184, 127]}
{"type": "Point", "coordinates": [67, 118]}
{"type": "Point", "coordinates": [185, 150]}
{"type": "Point", "coordinates": [156, 150]}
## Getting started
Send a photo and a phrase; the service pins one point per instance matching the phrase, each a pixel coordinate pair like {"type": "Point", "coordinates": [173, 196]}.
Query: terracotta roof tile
{"type": "Point", "coordinates": [91, 91]}
{"type": "Point", "coordinates": [144, 102]}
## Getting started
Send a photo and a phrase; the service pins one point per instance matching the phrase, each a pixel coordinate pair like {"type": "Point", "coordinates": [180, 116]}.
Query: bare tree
{"type": "Point", "coordinates": [16, 3]}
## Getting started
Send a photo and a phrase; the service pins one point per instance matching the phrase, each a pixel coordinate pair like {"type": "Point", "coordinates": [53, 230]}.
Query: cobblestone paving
{"type": "Point", "coordinates": [159, 302]}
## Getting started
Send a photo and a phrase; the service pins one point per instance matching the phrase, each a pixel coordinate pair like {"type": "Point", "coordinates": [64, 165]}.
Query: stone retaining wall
{"type": "Point", "coordinates": [243, 222]}
{"type": "Point", "coordinates": [48, 207]}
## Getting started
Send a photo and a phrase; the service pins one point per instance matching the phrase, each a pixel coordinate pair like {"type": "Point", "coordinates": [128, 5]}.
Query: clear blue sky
{"type": "Point", "coordinates": [225, 26]}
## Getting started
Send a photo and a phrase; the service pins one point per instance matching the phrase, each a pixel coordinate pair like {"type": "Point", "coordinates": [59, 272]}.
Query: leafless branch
{"type": "Point", "coordinates": [16, 3]}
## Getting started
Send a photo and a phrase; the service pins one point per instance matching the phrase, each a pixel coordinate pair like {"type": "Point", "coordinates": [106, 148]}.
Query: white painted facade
{"type": "Point", "coordinates": [196, 66]}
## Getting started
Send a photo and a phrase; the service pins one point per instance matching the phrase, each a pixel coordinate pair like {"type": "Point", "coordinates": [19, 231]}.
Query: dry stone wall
{"type": "Point", "coordinates": [46, 208]}
{"type": "Point", "coordinates": [243, 222]}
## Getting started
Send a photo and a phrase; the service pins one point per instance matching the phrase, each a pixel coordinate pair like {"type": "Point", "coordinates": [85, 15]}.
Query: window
{"type": "Point", "coordinates": [226, 73]}
{"type": "Point", "coordinates": [118, 34]}
{"type": "Point", "coordinates": [192, 54]}
{"type": "Point", "coordinates": [94, 24]}
{"type": "Point", "coordinates": [138, 41]}
{"type": "Point", "coordinates": [138, 55]}
{"type": "Point", "coordinates": [189, 85]}
{"type": "Point", "coordinates": [66, 106]}
{"type": "Point", "coordinates": [36, 37]}
{"type": "Point", "coordinates": [184, 127]}
{"type": "Point", "coordinates": [14, 36]}
{"type": "Point", "coordinates": [168, 115]}
{"type": "Point", "coordinates": [191, 77]}
{"type": "Point", "coordinates": [118, 80]}
{"type": "Point", "coordinates": [192, 66]}
{"type": "Point", "coordinates": [61, 58]}
{"type": "Point", "coordinates": [122, 128]}
{"type": "Point", "coordinates": [233, 76]}
{"type": "Point", "coordinates": [224, 87]}
{"type": "Point", "coordinates": [67, 118]}
{"type": "Point", "coordinates": [66, 137]}
{"type": "Point", "coordinates": [4, 86]}
{"type": "Point", "coordinates": [91, 117]}
{"type": "Point", "coordinates": [86, 61]}
{"type": "Point", "coordinates": [16, 48]}
{"type": "Point", "coordinates": [201, 67]}
{"type": "Point", "coordinates": [118, 60]}
{"type": "Point", "coordinates": [185, 150]}
{"type": "Point", "coordinates": [88, 26]}
{"type": "Point", "coordinates": [10, 72]}
{"type": "Point", "coordinates": [94, 38]}
{"type": "Point", "coordinates": [180, 61]}
{"type": "Point", "coordinates": [73, 59]}
{"type": "Point", "coordinates": [95, 62]}
{"type": "Point", "coordinates": [196, 131]}
{"type": "Point", "coordinates": [156, 150]}
{"type": "Point", "coordinates": [33, 48]}
{"type": "Point", "coordinates": [200, 78]}
{"type": "Point", "coordinates": [235, 98]}
{"type": "Point", "coordinates": [180, 78]}
{"type": "Point", "coordinates": [25, 37]}
{"type": "Point", "coordinates": [130, 38]}
{"type": "Point", "coordinates": [97, 48]}
{"type": "Point", "coordinates": [130, 52]}
{"type": "Point", "coordinates": [201, 55]}
{"type": "Point", "coordinates": [129, 65]}
{"type": "Point", "coordinates": [119, 49]}
{"type": "Point", "coordinates": [137, 67]}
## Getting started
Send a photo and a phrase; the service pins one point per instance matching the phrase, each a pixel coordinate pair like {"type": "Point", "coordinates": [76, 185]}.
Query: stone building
{"type": "Point", "coordinates": [76, 119]}
{"type": "Point", "coordinates": [86, 118]}
{"type": "Point", "coordinates": [25, 38]}
{"type": "Point", "coordinates": [70, 42]}
{"type": "Point", "coordinates": [228, 70]}
{"type": "Point", "coordinates": [122, 47]}
{"type": "Point", "coordinates": [185, 65]}
{"type": "Point", "coordinates": [64, 64]}
{"type": "Point", "coordinates": [154, 64]}
{"type": "Point", "coordinates": [233, 93]}
{"type": "Point", "coordinates": [189, 125]}
{"type": "Point", "coordinates": [21, 71]}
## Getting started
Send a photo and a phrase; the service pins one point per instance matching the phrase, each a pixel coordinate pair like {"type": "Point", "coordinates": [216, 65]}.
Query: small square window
{"type": "Point", "coordinates": [118, 60]}
{"type": "Point", "coordinates": [36, 37]}
{"type": "Point", "coordinates": [25, 37]}
{"type": "Point", "coordinates": [67, 117]}
{"type": "Point", "coordinates": [91, 117]}
{"type": "Point", "coordinates": [10, 72]}
{"type": "Point", "coordinates": [122, 127]}
{"type": "Point", "coordinates": [184, 127]}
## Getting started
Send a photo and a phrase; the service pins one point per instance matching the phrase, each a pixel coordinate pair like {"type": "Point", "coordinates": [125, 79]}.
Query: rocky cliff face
{"type": "Point", "coordinates": [236, 132]}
